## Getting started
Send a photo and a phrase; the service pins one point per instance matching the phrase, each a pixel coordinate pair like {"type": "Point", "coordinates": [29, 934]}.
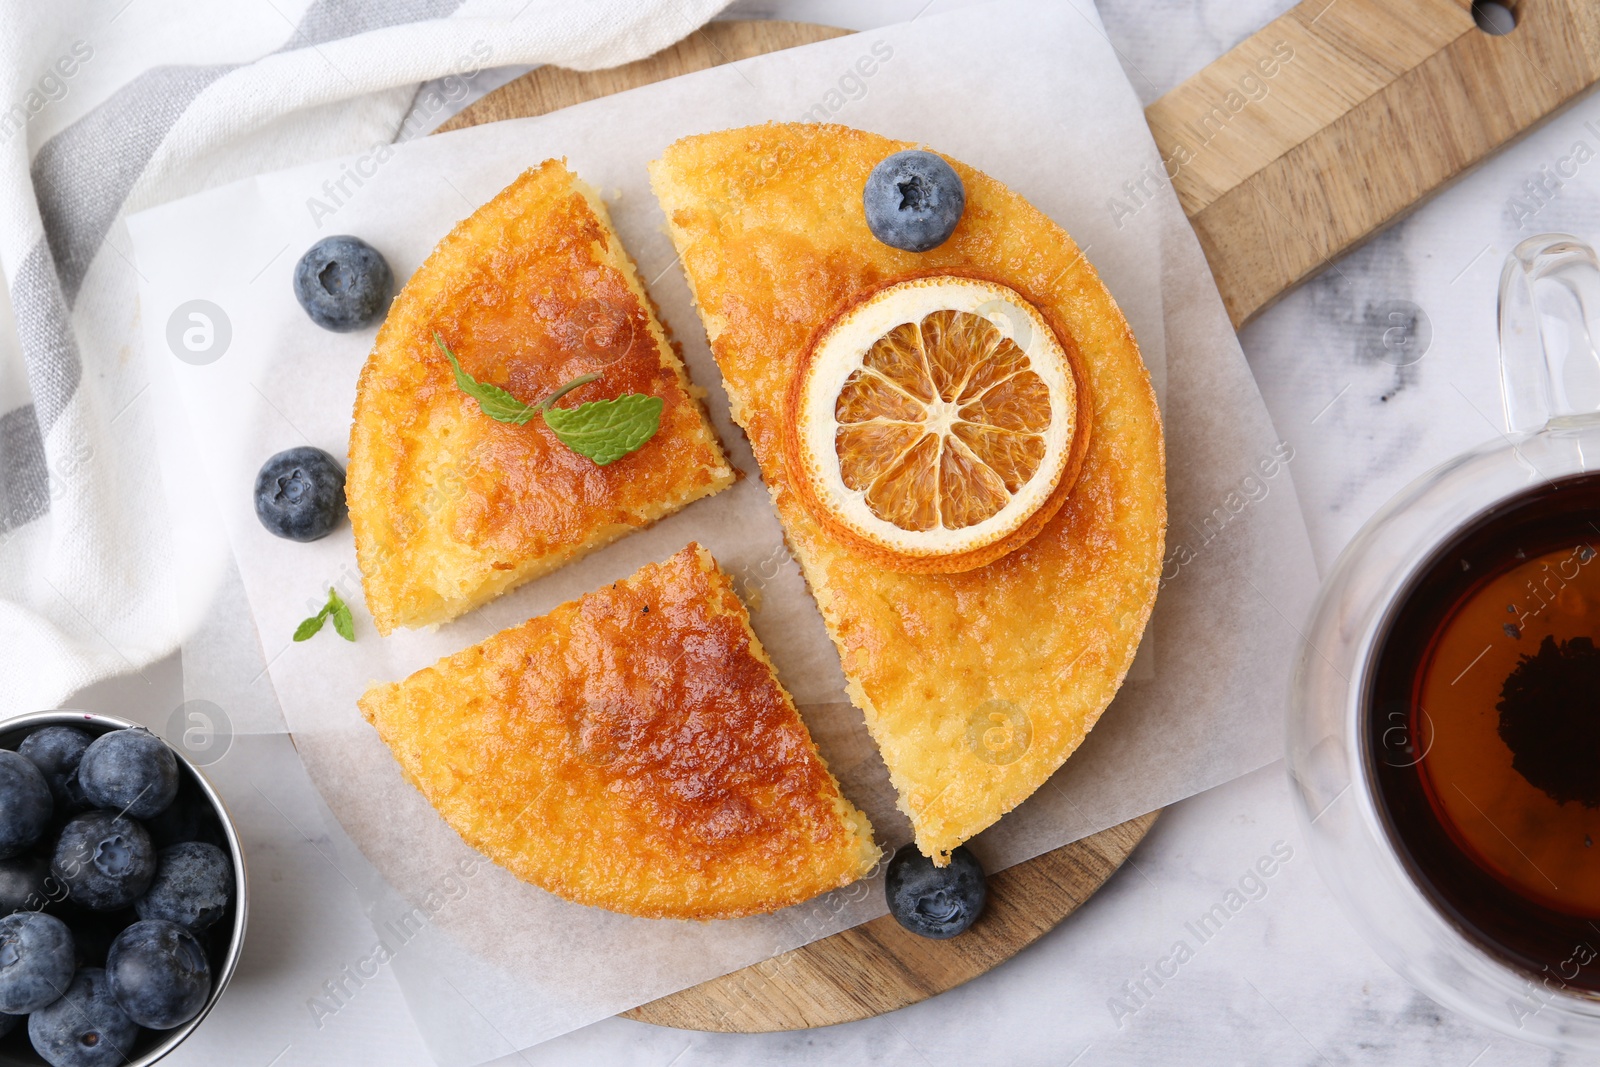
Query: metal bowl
{"type": "Point", "coordinates": [151, 1045]}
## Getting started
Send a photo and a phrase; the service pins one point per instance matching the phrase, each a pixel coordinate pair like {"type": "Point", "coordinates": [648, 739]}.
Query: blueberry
{"type": "Point", "coordinates": [85, 1028]}
{"type": "Point", "coordinates": [936, 902]}
{"type": "Point", "coordinates": [343, 283]}
{"type": "Point", "coordinates": [188, 818]}
{"type": "Point", "coordinates": [913, 201]}
{"type": "Point", "coordinates": [158, 974]}
{"type": "Point", "coordinates": [56, 750]}
{"type": "Point", "coordinates": [36, 961]}
{"type": "Point", "coordinates": [194, 883]}
{"type": "Point", "coordinates": [25, 804]}
{"type": "Point", "coordinates": [300, 494]}
{"type": "Point", "coordinates": [131, 771]}
{"type": "Point", "coordinates": [93, 932]}
{"type": "Point", "coordinates": [105, 860]}
{"type": "Point", "coordinates": [24, 884]}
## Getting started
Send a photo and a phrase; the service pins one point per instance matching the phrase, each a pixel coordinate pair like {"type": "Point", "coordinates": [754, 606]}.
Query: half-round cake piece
{"type": "Point", "coordinates": [976, 685]}
{"type": "Point", "coordinates": [632, 750]}
{"type": "Point", "coordinates": [450, 507]}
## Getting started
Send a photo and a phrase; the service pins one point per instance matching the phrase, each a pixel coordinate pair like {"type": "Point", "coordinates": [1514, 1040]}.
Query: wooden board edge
{"type": "Point", "coordinates": [879, 967]}
{"type": "Point", "coordinates": [1395, 125]}
{"type": "Point", "coordinates": [714, 44]}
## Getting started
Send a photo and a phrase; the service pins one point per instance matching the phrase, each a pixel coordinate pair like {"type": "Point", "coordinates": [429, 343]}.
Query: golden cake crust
{"type": "Point", "coordinates": [451, 508]}
{"type": "Point", "coordinates": [631, 750]}
{"type": "Point", "coordinates": [976, 685]}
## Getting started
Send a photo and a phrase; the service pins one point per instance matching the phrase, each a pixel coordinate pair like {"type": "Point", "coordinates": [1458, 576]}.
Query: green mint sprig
{"type": "Point", "coordinates": [343, 623]}
{"type": "Point", "coordinates": [602, 430]}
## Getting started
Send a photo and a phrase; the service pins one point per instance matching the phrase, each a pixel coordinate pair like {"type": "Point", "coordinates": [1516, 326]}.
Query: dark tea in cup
{"type": "Point", "coordinates": [1482, 731]}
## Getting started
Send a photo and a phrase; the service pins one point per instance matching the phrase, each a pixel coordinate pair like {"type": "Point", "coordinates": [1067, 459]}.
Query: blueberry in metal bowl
{"type": "Point", "coordinates": [56, 751]}
{"type": "Point", "coordinates": [24, 884]}
{"type": "Point", "coordinates": [193, 886]}
{"type": "Point", "coordinates": [25, 804]}
{"type": "Point", "coordinates": [93, 932]}
{"type": "Point", "coordinates": [158, 974]}
{"type": "Point", "coordinates": [190, 817]}
{"type": "Point", "coordinates": [104, 859]}
{"type": "Point", "coordinates": [36, 961]}
{"type": "Point", "coordinates": [130, 771]}
{"type": "Point", "coordinates": [85, 1027]}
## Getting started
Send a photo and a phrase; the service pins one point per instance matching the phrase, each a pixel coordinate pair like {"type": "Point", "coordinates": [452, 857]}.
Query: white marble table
{"type": "Point", "coordinates": [1287, 980]}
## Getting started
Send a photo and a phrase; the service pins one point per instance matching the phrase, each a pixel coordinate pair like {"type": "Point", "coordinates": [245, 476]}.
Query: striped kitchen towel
{"type": "Point", "coordinates": [110, 106]}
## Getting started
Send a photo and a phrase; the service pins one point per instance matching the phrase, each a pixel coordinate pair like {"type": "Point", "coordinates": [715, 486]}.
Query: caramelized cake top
{"type": "Point", "coordinates": [975, 685]}
{"type": "Point", "coordinates": [451, 508]}
{"type": "Point", "coordinates": [632, 750]}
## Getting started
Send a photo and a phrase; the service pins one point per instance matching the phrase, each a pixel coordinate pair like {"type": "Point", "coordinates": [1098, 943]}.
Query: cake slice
{"type": "Point", "coordinates": [632, 750]}
{"type": "Point", "coordinates": [976, 685]}
{"type": "Point", "coordinates": [451, 508]}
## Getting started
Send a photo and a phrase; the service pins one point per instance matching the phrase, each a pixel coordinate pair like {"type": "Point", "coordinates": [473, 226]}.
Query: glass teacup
{"type": "Point", "coordinates": [1441, 792]}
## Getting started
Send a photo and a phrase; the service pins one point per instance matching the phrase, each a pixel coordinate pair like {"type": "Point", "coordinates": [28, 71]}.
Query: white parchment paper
{"type": "Point", "coordinates": [1030, 93]}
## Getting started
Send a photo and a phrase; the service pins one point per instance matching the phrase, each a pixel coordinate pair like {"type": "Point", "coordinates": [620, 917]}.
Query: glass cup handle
{"type": "Point", "coordinates": [1550, 332]}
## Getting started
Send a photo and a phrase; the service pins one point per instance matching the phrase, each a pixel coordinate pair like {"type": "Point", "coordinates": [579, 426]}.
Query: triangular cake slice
{"type": "Point", "coordinates": [975, 685]}
{"type": "Point", "coordinates": [632, 750]}
{"type": "Point", "coordinates": [451, 508]}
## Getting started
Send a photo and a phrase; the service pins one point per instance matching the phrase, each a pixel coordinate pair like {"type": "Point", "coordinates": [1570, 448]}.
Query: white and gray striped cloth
{"type": "Point", "coordinates": [111, 106]}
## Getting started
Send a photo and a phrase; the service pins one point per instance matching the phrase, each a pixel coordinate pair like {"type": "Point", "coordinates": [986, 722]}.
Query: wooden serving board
{"type": "Point", "coordinates": [1297, 145]}
{"type": "Point", "coordinates": [1383, 103]}
{"type": "Point", "coordinates": [878, 966]}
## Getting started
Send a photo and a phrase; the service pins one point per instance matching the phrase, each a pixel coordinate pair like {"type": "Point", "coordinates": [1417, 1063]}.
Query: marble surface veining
{"type": "Point", "coordinates": [1286, 980]}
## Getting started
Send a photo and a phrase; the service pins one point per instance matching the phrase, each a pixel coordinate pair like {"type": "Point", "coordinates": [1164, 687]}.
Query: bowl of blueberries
{"type": "Point", "coordinates": [122, 893]}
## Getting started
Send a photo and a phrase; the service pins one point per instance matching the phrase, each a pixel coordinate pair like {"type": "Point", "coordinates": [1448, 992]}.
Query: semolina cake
{"type": "Point", "coordinates": [450, 507]}
{"type": "Point", "coordinates": [631, 750]}
{"type": "Point", "coordinates": [977, 684]}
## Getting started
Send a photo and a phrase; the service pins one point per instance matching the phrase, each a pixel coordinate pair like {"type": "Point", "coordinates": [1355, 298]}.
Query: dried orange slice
{"type": "Point", "coordinates": [934, 425]}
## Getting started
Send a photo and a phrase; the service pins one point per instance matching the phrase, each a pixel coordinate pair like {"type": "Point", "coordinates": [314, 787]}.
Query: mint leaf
{"type": "Point", "coordinates": [308, 627]}
{"type": "Point", "coordinates": [495, 401]}
{"type": "Point", "coordinates": [607, 430]}
{"type": "Point", "coordinates": [343, 622]}
{"type": "Point", "coordinates": [602, 430]}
